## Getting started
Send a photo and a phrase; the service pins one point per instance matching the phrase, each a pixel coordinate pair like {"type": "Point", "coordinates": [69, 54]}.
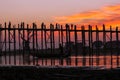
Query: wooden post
{"type": "Point", "coordinates": [67, 43]}
{"type": "Point", "coordinates": [61, 59]}
{"type": "Point", "coordinates": [111, 52]}
{"type": "Point", "coordinates": [117, 39]}
{"type": "Point", "coordinates": [19, 43]}
{"type": "Point", "coordinates": [83, 46]}
{"type": "Point", "coordinates": [97, 48]}
{"type": "Point", "coordinates": [9, 40]}
{"type": "Point", "coordinates": [51, 45]}
{"type": "Point", "coordinates": [76, 45]}
{"type": "Point", "coordinates": [89, 38]}
{"type": "Point", "coordinates": [104, 42]}
{"type": "Point", "coordinates": [51, 42]}
{"type": "Point", "coordinates": [42, 28]}
{"type": "Point", "coordinates": [36, 38]}
{"type": "Point", "coordinates": [59, 36]}
{"type": "Point", "coordinates": [14, 33]}
{"type": "Point", "coordinates": [71, 45]}
{"type": "Point", "coordinates": [33, 43]}
{"type": "Point", "coordinates": [5, 43]}
{"type": "Point", "coordinates": [23, 31]}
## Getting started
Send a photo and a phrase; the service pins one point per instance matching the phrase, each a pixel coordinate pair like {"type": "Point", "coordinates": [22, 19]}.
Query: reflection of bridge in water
{"type": "Point", "coordinates": [24, 44]}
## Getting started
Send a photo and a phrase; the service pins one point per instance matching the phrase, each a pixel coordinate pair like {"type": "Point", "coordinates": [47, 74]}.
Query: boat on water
{"type": "Point", "coordinates": [47, 54]}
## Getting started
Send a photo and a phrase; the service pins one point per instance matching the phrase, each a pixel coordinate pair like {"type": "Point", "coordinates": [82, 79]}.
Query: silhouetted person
{"type": "Point", "coordinates": [61, 49]}
{"type": "Point", "coordinates": [26, 48]}
{"type": "Point", "coordinates": [26, 45]}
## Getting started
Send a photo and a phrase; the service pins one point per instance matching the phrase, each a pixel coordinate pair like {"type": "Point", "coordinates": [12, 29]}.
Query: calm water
{"type": "Point", "coordinates": [106, 61]}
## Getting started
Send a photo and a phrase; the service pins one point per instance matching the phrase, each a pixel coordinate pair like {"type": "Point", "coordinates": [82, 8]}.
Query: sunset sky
{"type": "Point", "coordinates": [82, 12]}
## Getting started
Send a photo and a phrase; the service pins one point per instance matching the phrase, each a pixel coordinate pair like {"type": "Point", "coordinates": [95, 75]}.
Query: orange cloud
{"type": "Point", "coordinates": [109, 15]}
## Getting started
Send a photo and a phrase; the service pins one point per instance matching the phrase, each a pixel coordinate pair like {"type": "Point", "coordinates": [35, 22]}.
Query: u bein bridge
{"type": "Point", "coordinates": [59, 45]}
{"type": "Point", "coordinates": [68, 51]}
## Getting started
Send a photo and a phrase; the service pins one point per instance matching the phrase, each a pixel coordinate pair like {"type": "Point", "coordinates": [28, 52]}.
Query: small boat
{"type": "Point", "coordinates": [50, 55]}
{"type": "Point", "coordinates": [47, 53]}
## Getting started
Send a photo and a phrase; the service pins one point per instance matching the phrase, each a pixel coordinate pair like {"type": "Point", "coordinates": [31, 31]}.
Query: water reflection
{"type": "Point", "coordinates": [106, 61]}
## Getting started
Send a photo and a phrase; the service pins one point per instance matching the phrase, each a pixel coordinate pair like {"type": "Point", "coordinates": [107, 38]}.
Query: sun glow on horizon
{"type": "Point", "coordinates": [108, 15]}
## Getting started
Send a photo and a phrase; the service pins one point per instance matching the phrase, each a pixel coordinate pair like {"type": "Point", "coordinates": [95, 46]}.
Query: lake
{"type": "Point", "coordinates": [102, 61]}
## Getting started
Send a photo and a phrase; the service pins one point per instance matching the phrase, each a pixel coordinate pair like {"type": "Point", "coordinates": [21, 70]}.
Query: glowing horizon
{"type": "Point", "coordinates": [108, 15]}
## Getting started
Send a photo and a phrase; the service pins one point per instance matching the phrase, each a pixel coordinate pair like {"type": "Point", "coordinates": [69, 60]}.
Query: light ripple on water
{"type": "Point", "coordinates": [72, 60]}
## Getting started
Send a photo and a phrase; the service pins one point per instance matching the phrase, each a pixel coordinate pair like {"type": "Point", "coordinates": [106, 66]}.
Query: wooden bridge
{"type": "Point", "coordinates": [59, 52]}
{"type": "Point", "coordinates": [58, 45]}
